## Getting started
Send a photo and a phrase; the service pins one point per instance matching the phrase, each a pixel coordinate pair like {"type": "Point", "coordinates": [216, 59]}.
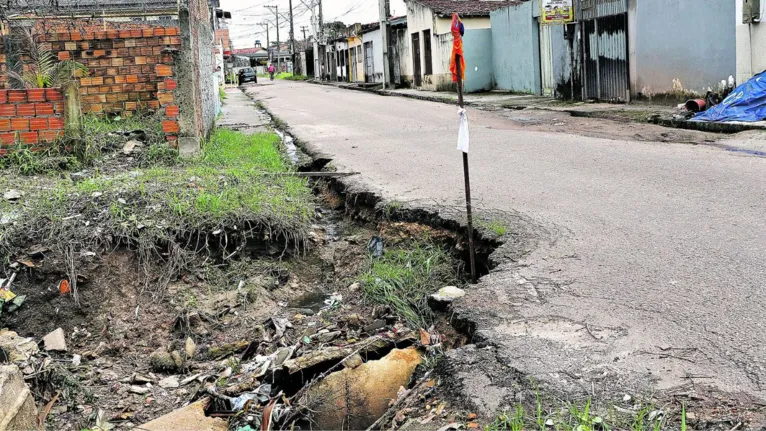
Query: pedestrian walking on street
{"type": "Point", "coordinates": [271, 71]}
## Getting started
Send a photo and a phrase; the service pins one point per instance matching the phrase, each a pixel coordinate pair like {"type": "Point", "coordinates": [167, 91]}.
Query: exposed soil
{"type": "Point", "coordinates": [225, 311]}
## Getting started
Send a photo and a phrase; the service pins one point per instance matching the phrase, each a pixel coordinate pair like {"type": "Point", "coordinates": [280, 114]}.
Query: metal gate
{"type": "Point", "coordinates": [605, 50]}
{"type": "Point", "coordinates": [546, 61]}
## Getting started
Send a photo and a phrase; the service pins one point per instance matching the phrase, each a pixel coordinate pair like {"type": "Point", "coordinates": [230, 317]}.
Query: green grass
{"type": "Point", "coordinates": [230, 194]}
{"type": "Point", "coordinates": [291, 77]}
{"type": "Point", "coordinates": [100, 135]}
{"type": "Point", "coordinates": [222, 94]}
{"type": "Point", "coordinates": [497, 227]}
{"type": "Point", "coordinates": [572, 416]}
{"type": "Point", "coordinates": [404, 277]}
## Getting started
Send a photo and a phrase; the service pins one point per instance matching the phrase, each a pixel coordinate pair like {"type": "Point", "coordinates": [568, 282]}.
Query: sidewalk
{"type": "Point", "coordinates": [641, 112]}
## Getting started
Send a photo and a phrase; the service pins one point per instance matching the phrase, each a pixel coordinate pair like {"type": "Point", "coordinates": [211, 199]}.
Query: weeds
{"type": "Point", "coordinates": [23, 161]}
{"type": "Point", "coordinates": [217, 203]}
{"type": "Point", "coordinates": [222, 94]}
{"type": "Point", "coordinates": [497, 227]}
{"type": "Point", "coordinates": [403, 278]}
{"type": "Point", "coordinates": [508, 421]}
{"type": "Point", "coordinates": [582, 417]}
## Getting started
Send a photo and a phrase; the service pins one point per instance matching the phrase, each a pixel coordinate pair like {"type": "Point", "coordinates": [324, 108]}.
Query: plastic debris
{"type": "Point", "coordinates": [375, 247]}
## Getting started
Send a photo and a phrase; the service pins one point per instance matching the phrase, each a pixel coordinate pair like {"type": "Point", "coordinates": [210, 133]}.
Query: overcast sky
{"type": "Point", "coordinates": [247, 14]}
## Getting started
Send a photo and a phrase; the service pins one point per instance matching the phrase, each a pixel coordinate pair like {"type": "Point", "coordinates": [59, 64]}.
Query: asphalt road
{"type": "Point", "coordinates": [647, 264]}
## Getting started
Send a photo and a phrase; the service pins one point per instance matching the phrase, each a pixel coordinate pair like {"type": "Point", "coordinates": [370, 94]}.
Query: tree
{"type": "Point", "coordinates": [39, 68]}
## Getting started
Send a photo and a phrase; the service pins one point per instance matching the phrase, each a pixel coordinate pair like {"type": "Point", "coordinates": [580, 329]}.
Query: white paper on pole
{"type": "Point", "coordinates": [462, 135]}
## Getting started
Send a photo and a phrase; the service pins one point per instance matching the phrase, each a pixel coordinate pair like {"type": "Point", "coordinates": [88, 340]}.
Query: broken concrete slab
{"type": "Point", "coordinates": [363, 393]}
{"type": "Point", "coordinates": [189, 418]}
{"type": "Point", "coordinates": [16, 349]}
{"type": "Point", "coordinates": [55, 341]}
{"type": "Point", "coordinates": [18, 411]}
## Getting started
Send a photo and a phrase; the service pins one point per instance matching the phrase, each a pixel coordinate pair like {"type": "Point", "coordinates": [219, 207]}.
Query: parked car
{"type": "Point", "coordinates": [247, 74]}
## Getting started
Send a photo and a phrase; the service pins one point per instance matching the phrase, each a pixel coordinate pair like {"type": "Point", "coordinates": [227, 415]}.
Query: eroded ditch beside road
{"type": "Point", "coordinates": [251, 324]}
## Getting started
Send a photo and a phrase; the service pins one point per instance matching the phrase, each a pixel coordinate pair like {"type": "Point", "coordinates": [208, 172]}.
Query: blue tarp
{"type": "Point", "coordinates": [746, 103]}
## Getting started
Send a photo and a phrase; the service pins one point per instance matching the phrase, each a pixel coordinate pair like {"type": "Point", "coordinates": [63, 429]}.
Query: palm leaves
{"type": "Point", "coordinates": [41, 69]}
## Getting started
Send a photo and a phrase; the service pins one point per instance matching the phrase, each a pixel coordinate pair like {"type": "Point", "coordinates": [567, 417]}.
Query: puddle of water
{"type": "Point", "coordinates": [313, 301]}
{"type": "Point", "coordinates": [743, 150]}
{"type": "Point", "coordinates": [290, 147]}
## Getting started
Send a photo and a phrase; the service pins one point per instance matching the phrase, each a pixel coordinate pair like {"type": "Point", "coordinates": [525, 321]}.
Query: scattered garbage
{"type": "Point", "coordinates": [55, 341]}
{"type": "Point", "coordinates": [745, 103]}
{"type": "Point", "coordinates": [448, 294]}
{"type": "Point", "coordinates": [9, 301]}
{"type": "Point", "coordinates": [131, 146]}
{"type": "Point", "coordinates": [16, 349]}
{"type": "Point", "coordinates": [375, 247]}
{"type": "Point", "coordinates": [18, 411]}
{"type": "Point", "coordinates": [12, 195]}
{"type": "Point", "coordinates": [169, 383]}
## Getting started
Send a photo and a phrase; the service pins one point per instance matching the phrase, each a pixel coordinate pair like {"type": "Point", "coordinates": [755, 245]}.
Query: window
{"type": "Point", "coordinates": [359, 54]}
{"type": "Point", "coordinates": [427, 52]}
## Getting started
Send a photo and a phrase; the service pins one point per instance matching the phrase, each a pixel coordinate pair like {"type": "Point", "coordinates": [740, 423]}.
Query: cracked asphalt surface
{"type": "Point", "coordinates": [645, 267]}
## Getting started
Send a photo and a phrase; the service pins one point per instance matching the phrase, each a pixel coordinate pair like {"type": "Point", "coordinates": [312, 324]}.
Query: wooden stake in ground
{"type": "Point", "coordinates": [457, 67]}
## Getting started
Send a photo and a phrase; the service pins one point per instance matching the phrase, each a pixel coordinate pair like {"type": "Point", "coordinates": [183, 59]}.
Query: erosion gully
{"type": "Point", "coordinates": [299, 346]}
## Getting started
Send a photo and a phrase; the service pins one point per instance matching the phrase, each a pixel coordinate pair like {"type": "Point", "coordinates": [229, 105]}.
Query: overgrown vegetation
{"type": "Point", "coordinates": [403, 278]}
{"type": "Point", "coordinates": [39, 67]}
{"type": "Point", "coordinates": [100, 136]}
{"type": "Point", "coordinates": [235, 192]}
{"type": "Point", "coordinates": [221, 94]}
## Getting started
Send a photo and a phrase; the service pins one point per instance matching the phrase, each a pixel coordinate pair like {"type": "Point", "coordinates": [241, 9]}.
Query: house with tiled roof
{"type": "Point", "coordinates": [430, 42]}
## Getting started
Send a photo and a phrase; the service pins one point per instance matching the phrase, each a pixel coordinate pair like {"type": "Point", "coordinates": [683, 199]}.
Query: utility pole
{"type": "Point", "coordinates": [385, 11]}
{"type": "Point", "coordinates": [321, 38]}
{"type": "Point", "coordinates": [268, 43]}
{"type": "Point", "coordinates": [292, 35]}
{"type": "Point", "coordinates": [276, 13]}
{"type": "Point", "coordinates": [304, 29]}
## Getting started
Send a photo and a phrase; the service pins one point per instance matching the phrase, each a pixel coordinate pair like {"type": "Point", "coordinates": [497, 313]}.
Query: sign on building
{"type": "Point", "coordinates": [557, 11]}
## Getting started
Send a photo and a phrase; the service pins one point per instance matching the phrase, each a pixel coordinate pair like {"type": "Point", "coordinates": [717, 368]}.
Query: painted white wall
{"type": "Point", "coordinates": [751, 45]}
{"type": "Point", "coordinates": [443, 25]}
{"type": "Point", "coordinates": [376, 37]}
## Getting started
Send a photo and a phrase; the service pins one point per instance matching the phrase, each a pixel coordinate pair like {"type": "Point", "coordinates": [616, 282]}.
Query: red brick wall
{"type": "Point", "coordinates": [32, 117]}
{"type": "Point", "coordinates": [129, 70]}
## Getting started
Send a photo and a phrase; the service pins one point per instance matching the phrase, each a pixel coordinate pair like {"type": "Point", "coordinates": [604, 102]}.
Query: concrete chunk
{"type": "Point", "coordinates": [55, 341]}
{"type": "Point", "coordinates": [17, 407]}
{"type": "Point", "coordinates": [189, 418]}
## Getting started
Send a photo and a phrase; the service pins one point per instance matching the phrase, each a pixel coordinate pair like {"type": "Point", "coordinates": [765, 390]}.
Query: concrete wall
{"type": "Point", "coordinates": [420, 18]}
{"type": "Point", "coordinates": [516, 48]}
{"type": "Point", "coordinates": [689, 40]}
{"type": "Point", "coordinates": [443, 25]}
{"type": "Point", "coordinates": [479, 69]}
{"type": "Point", "coordinates": [376, 37]}
{"type": "Point", "coordinates": [195, 64]}
{"type": "Point", "coordinates": [751, 45]}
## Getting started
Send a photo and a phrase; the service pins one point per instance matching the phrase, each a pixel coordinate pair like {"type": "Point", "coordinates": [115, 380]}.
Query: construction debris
{"type": "Point", "coordinates": [17, 407]}
{"type": "Point", "coordinates": [55, 341]}
{"type": "Point", "coordinates": [189, 418]}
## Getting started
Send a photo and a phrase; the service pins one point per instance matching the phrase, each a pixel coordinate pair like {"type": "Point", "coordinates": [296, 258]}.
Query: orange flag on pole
{"type": "Point", "coordinates": [457, 47]}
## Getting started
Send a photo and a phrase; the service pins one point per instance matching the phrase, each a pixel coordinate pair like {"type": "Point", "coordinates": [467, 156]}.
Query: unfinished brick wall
{"type": "Point", "coordinates": [32, 117]}
{"type": "Point", "coordinates": [129, 70]}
